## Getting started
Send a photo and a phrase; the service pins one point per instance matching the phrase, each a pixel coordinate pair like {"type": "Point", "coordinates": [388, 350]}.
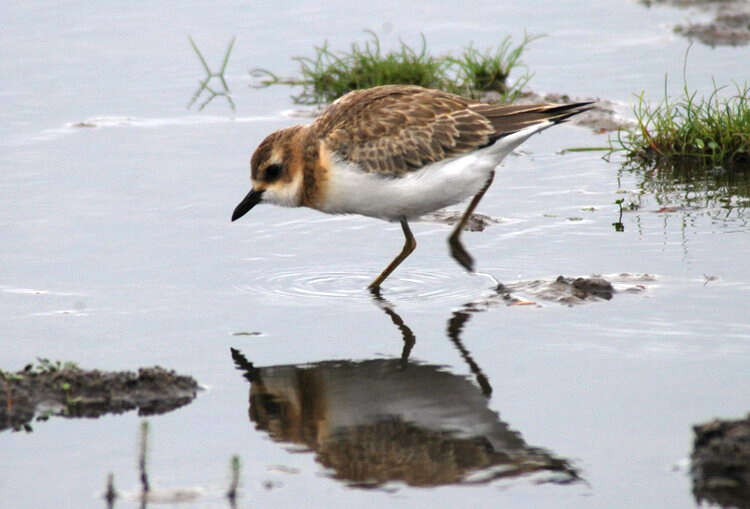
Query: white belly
{"type": "Point", "coordinates": [437, 185]}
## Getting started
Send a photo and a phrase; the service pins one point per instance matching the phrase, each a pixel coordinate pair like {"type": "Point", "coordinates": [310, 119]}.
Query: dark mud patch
{"type": "Point", "coordinates": [69, 391]}
{"type": "Point", "coordinates": [569, 291]}
{"type": "Point", "coordinates": [730, 26]}
{"type": "Point", "coordinates": [726, 29]}
{"type": "Point", "coordinates": [566, 290]}
{"type": "Point", "coordinates": [476, 223]}
{"type": "Point", "coordinates": [689, 3]}
{"type": "Point", "coordinates": [721, 463]}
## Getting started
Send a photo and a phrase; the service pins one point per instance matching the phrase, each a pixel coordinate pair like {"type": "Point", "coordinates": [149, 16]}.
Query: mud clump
{"type": "Point", "coordinates": [476, 222]}
{"type": "Point", "coordinates": [572, 291]}
{"type": "Point", "coordinates": [727, 29]}
{"type": "Point", "coordinates": [69, 391]}
{"type": "Point", "coordinates": [566, 290]}
{"type": "Point", "coordinates": [721, 463]}
{"type": "Point", "coordinates": [730, 26]}
{"type": "Point", "coordinates": [587, 287]}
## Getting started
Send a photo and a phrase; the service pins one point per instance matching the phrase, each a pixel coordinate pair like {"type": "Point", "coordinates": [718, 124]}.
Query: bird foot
{"type": "Point", "coordinates": [460, 254]}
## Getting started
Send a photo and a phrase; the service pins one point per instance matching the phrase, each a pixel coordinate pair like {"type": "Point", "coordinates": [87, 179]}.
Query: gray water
{"type": "Point", "coordinates": [117, 252]}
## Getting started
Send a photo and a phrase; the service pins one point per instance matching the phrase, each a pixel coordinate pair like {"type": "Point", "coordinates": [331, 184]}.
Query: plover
{"type": "Point", "coordinates": [395, 152]}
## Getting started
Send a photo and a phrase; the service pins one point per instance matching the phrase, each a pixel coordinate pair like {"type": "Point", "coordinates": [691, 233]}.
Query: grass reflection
{"type": "Point", "coordinates": [721, 194]}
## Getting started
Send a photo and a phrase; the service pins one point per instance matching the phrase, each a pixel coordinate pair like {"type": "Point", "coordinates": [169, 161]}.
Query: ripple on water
{"type": "Point", "coordinates": [296, 286]}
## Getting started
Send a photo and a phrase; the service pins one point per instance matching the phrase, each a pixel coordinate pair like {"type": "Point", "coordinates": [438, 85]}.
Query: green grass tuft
{"type": "Point", "coordinates": [329, 75]}
{"type": "Point", "coordinates": [489, 70]}
{"type": "Point", "coordinates": [690, 131]}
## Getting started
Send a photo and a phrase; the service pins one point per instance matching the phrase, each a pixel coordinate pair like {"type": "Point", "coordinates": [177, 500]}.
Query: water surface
{"type": "Point", "coordinates": [118, 253]}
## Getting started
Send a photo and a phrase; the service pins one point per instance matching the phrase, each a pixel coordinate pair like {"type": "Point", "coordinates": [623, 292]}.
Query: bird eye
{"type": "Point", "coordinates": [273, 172]}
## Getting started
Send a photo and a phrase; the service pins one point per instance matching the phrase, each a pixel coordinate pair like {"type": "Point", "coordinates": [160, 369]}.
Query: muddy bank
{"type": "Point", "coordinates": [476, 222]}
{"type": "Point", "coordinates": [689, 3]}
{"type": "Point", "coordinates": [48, 389]}
{"type": "Point", "coordinates": [730, 25]}
{"type": "Point", "coordinates": [726, 29]}
{"type": "Point", "coordinates": [721, 463]}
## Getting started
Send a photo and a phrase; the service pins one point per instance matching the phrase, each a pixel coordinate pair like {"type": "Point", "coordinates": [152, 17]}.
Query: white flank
{"type": "Point", "coordinates": [433, 187]}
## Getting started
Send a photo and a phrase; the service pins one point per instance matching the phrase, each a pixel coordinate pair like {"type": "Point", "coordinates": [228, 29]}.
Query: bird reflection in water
{"type": "Point", "coordinates": [382, 420]}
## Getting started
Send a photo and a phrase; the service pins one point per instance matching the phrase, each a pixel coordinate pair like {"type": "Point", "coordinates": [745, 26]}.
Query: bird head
{"type": "Point", "coordinates": [275, 172]}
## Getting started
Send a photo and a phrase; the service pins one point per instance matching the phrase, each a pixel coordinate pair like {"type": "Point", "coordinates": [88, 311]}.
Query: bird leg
{"type": "Point", "coordinates": [457, 249]}
{"type": "Point", "coordinates": [406, 333]}
{"type": "Point", "coordinates": [409, 245]}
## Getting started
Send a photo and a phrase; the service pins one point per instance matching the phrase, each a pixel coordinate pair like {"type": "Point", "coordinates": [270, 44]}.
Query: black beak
{"type": "Point", "coordinates": [248, 202]}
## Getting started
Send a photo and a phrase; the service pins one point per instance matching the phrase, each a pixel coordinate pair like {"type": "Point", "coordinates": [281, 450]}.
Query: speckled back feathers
{"type": "Point", "coordinates": [395, 129]}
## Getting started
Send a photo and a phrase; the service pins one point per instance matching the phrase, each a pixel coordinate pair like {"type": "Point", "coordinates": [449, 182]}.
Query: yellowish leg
{"type": "Point", "coordinates": [409, 246]}
{"type": "Point", "coordinates": [457, 249]}
{"type": "Point", "coordinates": [409, 338]}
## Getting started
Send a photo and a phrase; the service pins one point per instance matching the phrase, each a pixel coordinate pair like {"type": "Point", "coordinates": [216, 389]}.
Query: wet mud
{"type": "Point", "coordinates": [689, 3]}
{"type": "Point", "coordinates": [69, 391]}
{"type": "Point", "coordinates": [564, 290]}
{"type": "Point", "coordinates": [726, 29]}
{"type": "Point", "coordinates": [568, 290]}
{"type": "Point", "coordinates": [730, 25]}
{"type": "Point", "coordinates": [476, 222]}
{"type": "Point", "coordinates": [721, 463]}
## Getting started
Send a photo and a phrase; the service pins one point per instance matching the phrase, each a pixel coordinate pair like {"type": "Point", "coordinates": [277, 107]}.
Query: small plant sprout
{"type": "Point", "coordinates": [110, 495]}
{"type": "Point", "coordinates": [619, 227]}
{"type": "Point", "coordinates": [143, 460]}
{"type": "Point", "coordinates": [234, 468]}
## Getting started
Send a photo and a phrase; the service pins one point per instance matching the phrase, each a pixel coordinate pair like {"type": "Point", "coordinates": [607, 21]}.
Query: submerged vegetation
{"type": "Point", "coordinates": [690, 132]}
{"type": "Point", "coordinates": [329, 75]}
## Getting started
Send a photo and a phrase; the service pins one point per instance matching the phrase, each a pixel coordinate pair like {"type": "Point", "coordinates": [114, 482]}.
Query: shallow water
{"type": "Point", "coordinates": [118, 253]}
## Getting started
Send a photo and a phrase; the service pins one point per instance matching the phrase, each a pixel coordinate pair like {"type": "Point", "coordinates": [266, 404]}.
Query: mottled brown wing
{"type": "Point", "coordinates": [395, 129]}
